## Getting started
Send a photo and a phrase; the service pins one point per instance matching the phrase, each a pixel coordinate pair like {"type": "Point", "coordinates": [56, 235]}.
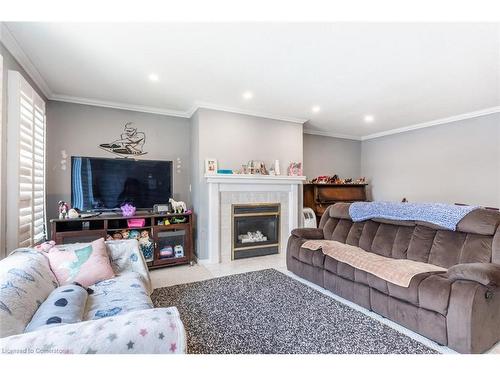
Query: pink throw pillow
{"type": "Point", "coordinates": [85, 265]}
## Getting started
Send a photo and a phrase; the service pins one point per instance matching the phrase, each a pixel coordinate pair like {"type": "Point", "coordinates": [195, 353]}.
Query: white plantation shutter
{"type": "Point", "coordinates": [26, 164]}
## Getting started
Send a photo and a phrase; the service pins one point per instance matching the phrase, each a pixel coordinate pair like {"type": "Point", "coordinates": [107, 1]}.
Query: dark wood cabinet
{"type": "Point", "coordinates": [172, 235]}
{"type": "Point", "coordinates": [320, 196]}
{"type": "Point", "coordinates": [64, 231]}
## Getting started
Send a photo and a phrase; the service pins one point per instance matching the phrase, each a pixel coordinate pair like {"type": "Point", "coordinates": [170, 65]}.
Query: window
{"type": "Point", "coordinates": [25, 164]}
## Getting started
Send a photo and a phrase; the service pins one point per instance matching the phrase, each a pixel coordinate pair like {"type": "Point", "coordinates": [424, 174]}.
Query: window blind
{"type": "Point", "coordinates": [26, 163]}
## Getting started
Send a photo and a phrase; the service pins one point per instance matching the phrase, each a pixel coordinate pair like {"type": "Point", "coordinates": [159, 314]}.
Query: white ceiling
{"type": "Point", "coordinates": [402, 74]}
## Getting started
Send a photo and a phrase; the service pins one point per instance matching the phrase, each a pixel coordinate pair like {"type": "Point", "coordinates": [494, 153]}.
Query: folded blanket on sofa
{"type": "Point", "coordinates": [396, 271]}
{"type": "Point", "coordinates": [443, 215]}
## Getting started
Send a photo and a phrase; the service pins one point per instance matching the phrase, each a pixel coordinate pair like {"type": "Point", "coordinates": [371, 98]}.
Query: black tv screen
{"type": "Point", "coordinates": [99, 184]}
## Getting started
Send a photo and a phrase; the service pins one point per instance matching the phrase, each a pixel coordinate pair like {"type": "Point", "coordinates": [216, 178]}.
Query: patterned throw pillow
{"type": "Point", "coordinates": [85, 264]}
{"type": "Point", "coordinates": [64, 305]}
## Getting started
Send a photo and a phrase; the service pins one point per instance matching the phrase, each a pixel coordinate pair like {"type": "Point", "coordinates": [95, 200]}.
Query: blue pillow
{"type": "Point", "coordinates": [64, 305]}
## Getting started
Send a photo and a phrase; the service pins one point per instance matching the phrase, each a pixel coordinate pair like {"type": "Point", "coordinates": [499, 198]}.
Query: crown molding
{"type": "Point", "coordinates": [204, 105]}
{"type": "Point", "coordinates": [117, 105]}
{"type": "Point", "coordinates": [168, 112]}
{"type": "Point", "coordinates": [15, 49]}
{"type": "Point", "coordinates": [443, 121]}
{"type": "Point", "coordinates": [404, 129]}
{"type": "Point", "coordinates": [332, 134]}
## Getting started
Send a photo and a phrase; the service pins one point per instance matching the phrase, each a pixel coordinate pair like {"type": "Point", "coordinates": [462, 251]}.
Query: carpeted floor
{"type": "Point", "coordinates": [269, 312]}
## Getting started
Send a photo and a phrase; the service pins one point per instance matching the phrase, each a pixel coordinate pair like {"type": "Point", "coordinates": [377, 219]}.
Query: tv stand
{"type": "Point", "coordinates": [179, 232]}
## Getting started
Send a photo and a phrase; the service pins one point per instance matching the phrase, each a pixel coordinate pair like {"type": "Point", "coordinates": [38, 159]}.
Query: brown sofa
{"type": "Point", "coordinates": [459, 308]}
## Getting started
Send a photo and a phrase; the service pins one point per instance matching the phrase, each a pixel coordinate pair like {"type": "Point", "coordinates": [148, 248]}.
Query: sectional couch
{"type": "Point", "coordinates": [459, 308]}
{"type": "Point", "coordinates": [118, 317]}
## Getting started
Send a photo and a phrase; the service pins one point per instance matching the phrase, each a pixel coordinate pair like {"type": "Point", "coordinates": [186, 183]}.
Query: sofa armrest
{"type": "Point", "coordinates": [152, 331]}
{"type": "Point", "coordinates": [126, 256]}
{"type": "Point", "coordinates": [486, 274]}
{"type": "Point", "coordinates": [308, 233]}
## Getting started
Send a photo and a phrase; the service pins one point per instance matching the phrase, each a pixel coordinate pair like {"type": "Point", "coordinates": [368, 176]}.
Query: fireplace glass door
{"type": "Point", "coordinates": [255, 230]}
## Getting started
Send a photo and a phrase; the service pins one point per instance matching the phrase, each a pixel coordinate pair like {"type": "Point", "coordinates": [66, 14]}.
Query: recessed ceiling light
{"type": "Point", "coordinates": [153, 77]}
{"type": "Point", "coordinates": [247, 95]}
{"type": "Point", "coordinates": [369, 118]}
{"type": "Point", "coordinates": [316, 108]}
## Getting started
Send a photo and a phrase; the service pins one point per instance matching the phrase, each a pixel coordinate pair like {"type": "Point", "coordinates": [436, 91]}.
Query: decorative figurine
{"type": "Point", "coordinates": [73, 214]}
{"type": "Point", "coordinates": [263, 169]}
{"type": "Point", "coordinates": [276, 168]}
{"type": "Point", "coordinates": [134, 234]}
{"type": "Point", "coordinates": [125, 234]}
{"type": "Point", "coordinates": [145, 244]}
{"type": "Point", "coordinates": [177, 207]}
{"type": "Point", "coordinates": [63, 209]}
{"type": "Point", "coordinates": [128, 210]}
{"type": "Point", "coordinates": [328, 180]}
{"type": "Point", "coordinates": [295, 169]}
{"type": "Point", "coordinates": [178, 251]}
{"type": "Point", "coordinates": [117, 236]}
{"type": "Point", "coordinates": [361, 180]}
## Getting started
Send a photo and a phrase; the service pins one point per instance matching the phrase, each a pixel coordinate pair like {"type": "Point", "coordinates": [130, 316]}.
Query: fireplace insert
{"type": "Point", "coordinates": [255, 230]}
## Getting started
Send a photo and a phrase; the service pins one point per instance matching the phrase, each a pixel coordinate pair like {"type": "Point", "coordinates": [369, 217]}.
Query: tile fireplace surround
{"type": "Point", "coordinates": [226, 190]}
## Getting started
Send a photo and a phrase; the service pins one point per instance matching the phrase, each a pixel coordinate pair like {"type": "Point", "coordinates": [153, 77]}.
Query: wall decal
{"type": "Point", "coordinates": [131, 142]}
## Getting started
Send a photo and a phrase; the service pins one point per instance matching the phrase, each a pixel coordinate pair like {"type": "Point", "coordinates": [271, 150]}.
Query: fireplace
{"type": "Point", "coordinates": [255, 230]}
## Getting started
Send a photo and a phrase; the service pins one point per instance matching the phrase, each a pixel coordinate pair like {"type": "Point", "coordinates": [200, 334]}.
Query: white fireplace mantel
{"type": "Point", "coordinates": [253, 179]}
{"type": "Point", "coordinates": [218, 183]}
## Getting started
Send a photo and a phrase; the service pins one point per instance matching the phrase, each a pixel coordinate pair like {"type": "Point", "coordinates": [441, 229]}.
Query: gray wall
{"type": "Point", "coordinates": [9, 63]}
{"type": "Point", "coordinates": [234, 139]}
{"type": "Point", "coordinates": [79, 129]}
{"type": "Point", "coordinates": [329, 156]}
{"type": "Point", "coordinates": [451, 163]}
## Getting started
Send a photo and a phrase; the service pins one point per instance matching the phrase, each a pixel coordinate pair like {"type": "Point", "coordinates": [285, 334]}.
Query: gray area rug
{"type": "Point", "coordinates": [269, 312]}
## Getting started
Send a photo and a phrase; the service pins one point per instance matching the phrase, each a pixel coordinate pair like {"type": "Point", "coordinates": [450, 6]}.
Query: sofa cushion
{"type": "Point", "coordinates": [421, 243]}
{"type": "Point", "coordinates": [25, 282]}
{"type": "Point", "coordinates": [64, 305]}
{"type": "Point", "coordinates": [481, 221]}
{"type": "Point", "coordinates": [339, 211]}
{"type": "Point", "coordinates": [383, 241]}
{"type": "Point", "coordinates": [339, 268]}
{"type": "Point", "coordinates": [477, 248]}
{"type": "Point", "coordinates": [434, 293]}
{"type": "Point", "coordinates": [85, 264]}
{"type": "Point", "coordinates": [124, 293]}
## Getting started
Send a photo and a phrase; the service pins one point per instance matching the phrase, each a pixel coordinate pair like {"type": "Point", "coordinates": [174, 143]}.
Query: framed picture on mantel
{"type": "Point", "coordinates": [210, 166]}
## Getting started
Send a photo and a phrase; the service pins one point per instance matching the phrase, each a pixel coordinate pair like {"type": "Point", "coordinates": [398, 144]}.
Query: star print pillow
{"type": "Point", "coordinates": [85, 264]}
{"type": "Point", "coordinates": [64, 305]}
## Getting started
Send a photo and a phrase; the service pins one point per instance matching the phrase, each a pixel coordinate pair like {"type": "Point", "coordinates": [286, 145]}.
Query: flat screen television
{"type": "Point", "coordinates": [102, 184]}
